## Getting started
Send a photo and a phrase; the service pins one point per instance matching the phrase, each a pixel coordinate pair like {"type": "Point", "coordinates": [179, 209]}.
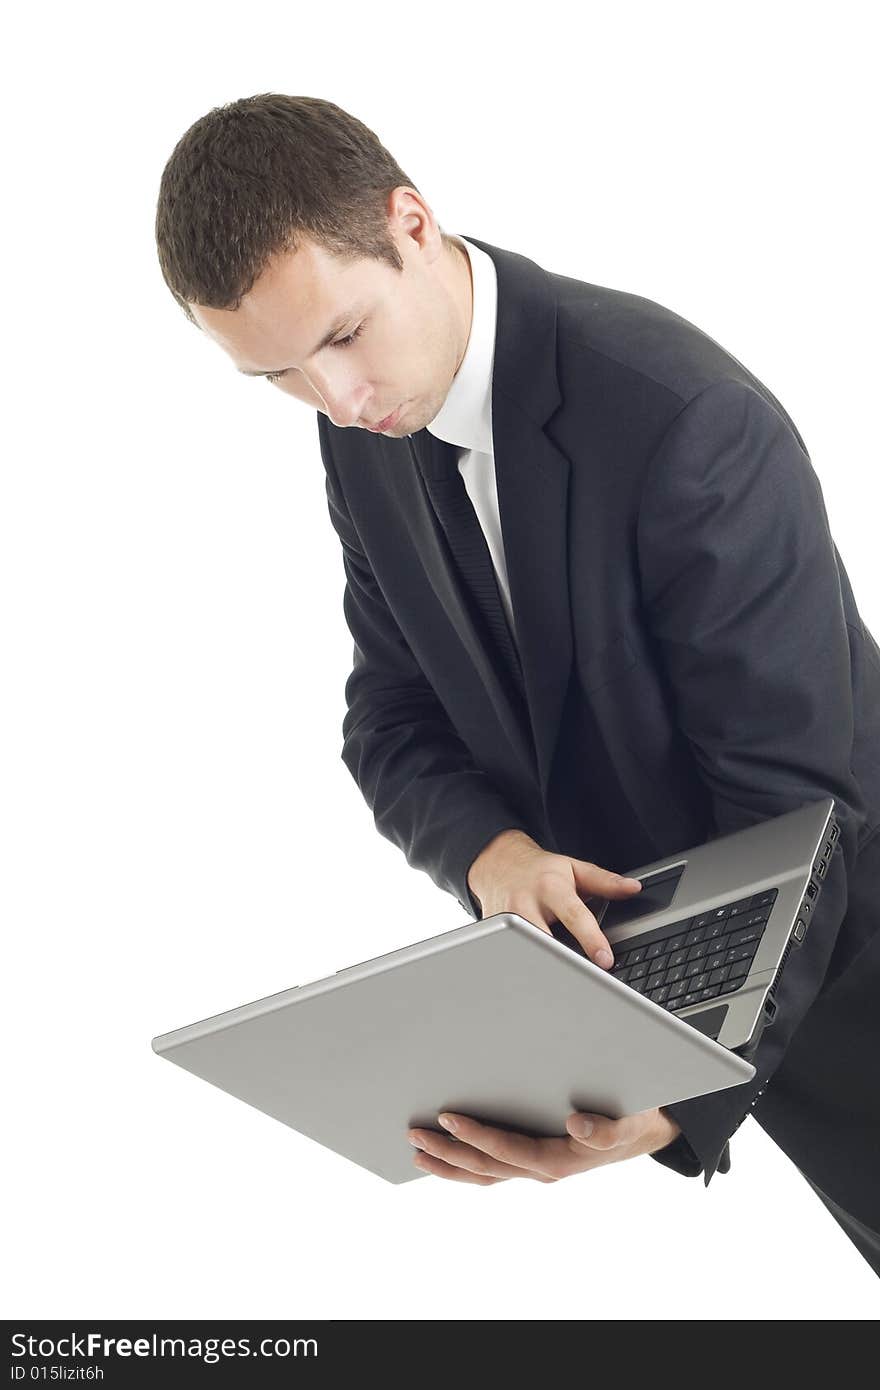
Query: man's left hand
{"type": "Point", "coordinates": [482, 1154]}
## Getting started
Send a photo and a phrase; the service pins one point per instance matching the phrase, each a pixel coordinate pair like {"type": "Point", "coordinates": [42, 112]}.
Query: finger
{"type": "Point", "coordinates": [606, 1133]}
{"type": "Point", "coordinates": [463, 1155]}
{"type": "Point", "coordinates": [525, 1155]}
{"type": "Point", "coordinates": [602, 882]}
{"type": "Point", "coordinates": [574, 914]}
{"type": "Point", "coordinates": [429, 1164]}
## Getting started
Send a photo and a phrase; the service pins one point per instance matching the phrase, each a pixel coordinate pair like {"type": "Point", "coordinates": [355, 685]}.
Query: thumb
{"type": "Point", "coordinates": [592, 879]}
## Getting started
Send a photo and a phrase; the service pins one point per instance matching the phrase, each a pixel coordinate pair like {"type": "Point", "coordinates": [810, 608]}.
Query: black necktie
{"type": "Point", "coordinates": [445, 486]}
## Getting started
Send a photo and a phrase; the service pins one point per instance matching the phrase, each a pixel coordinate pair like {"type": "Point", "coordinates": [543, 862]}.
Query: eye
{"type": "Point", "coordinates": [340, 342]}
{"type": "Point", "coordinates": [347, 342]}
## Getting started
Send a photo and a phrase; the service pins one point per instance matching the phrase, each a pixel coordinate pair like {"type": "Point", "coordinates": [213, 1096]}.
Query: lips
{"type": "Point", "coordinates": [386, 423]}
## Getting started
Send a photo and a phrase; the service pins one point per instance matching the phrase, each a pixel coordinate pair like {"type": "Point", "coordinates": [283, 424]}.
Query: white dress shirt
{"type": "Point", "coordinates": [465, 417]}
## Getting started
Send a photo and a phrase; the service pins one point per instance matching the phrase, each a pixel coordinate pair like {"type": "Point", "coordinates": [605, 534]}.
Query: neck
{"type": "Point", "coordinates": [463, 294]}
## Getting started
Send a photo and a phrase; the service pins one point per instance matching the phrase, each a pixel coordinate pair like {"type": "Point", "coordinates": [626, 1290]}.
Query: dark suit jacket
{"type": "Point", "coordinates": [694, 660]}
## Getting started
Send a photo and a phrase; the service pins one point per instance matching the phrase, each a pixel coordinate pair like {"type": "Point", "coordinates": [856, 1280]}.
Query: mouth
{"type": "Point", "coordinates": [387, 422]}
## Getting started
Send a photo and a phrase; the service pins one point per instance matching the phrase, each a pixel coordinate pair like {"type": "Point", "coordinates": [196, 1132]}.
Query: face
{"type": "Point", "coordinates": [400, 335]}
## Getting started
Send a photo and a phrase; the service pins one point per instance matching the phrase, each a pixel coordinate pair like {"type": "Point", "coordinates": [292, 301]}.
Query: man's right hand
{"type": "Point", "coordinates": [514, 874]}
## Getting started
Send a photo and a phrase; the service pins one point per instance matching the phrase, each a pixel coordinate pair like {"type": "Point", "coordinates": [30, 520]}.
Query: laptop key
{"type": "Point", "coordinates": [740, 953]}
{"type": "Point", "coordinates": [756, 918]}
{"type": "Point", "coordinates": [739, 908]}
{"type": "Point", "coordinates": [698, 949]}
{"type": "Point", "coordinates": [695, 935]}
{"type": "Point", "coordinates": [687, 999]}
{"type": "Point", "coordinates": [738, 972]}
{"type": "Point", "coordinates": [730, 986]}
{"type": "Point", "coordinates": [741, 938]}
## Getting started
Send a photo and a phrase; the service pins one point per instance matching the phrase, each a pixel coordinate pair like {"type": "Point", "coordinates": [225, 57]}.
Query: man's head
{"type": "Point", "coordinates": [282, 218]}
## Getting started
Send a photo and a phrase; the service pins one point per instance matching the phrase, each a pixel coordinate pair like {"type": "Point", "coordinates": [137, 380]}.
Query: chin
{"type": "Point", "coordinates": [412, 422]}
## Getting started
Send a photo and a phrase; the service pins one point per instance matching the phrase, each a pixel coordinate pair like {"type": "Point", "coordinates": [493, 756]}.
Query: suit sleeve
{"type": "Point", "coordinates": [742, 596]}
{"type": "Point", "coordinates": [416, 774]}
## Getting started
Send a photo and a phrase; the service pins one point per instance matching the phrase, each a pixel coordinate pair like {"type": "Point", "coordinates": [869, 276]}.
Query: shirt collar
{"type": "Point", "coordinates": [465, 417]}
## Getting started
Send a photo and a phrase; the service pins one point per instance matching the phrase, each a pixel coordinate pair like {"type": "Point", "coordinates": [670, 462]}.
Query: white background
{"type": "Point", "coordinates": [179, 834]}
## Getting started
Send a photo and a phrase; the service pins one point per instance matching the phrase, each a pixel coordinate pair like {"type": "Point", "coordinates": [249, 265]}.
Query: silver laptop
{"type": "Point", "coordinates": [710, 932]}
{"type": "Point", "coordinates": [512, 1025]}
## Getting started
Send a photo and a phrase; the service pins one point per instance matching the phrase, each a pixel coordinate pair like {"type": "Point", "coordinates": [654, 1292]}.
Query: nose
{"type": "Point", "coordinates": [345, 406]}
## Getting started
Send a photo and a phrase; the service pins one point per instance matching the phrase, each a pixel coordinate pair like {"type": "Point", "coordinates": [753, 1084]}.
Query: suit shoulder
{"type": "Point", "coordinates": [637, 335]}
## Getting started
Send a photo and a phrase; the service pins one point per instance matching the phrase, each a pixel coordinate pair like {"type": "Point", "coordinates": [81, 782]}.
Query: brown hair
{"type": "Point", "coordinates": [250, 178]}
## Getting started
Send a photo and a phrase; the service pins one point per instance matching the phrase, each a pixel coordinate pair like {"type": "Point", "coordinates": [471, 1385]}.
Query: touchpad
{"type": "Point", "coordinates": [710, 1021]}
{"type": "Point", "coordinates": [657, 893]}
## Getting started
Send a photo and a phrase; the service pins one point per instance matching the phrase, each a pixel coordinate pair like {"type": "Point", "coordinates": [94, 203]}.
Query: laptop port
{"type": "Point", "coordinates": [812, 890]}
{"type": "Point", "coordinates": [834, 832]}
{"type": "Point", "coordinates": [829, 849]}
{"type": "Point", "coordinates": [820, 868]}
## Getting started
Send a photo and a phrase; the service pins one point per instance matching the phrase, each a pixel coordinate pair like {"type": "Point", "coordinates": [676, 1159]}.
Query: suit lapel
{"type": "Point", "coordinates": [532, 482]}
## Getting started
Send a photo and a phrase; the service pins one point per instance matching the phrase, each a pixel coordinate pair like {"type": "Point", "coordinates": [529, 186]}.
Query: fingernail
{"type": "Point", "coordinates": [636, 881]}
{"type": "Point", "coordinates": [447, 1123]}
{"type": "Point", "coordinates": [604, 958]}
{"type": "Point", "coordinates": [582, 1128]}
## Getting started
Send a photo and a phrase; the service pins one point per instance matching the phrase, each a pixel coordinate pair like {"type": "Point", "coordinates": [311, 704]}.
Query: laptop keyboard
{"type": "Point", "coordinates": [698, 958]}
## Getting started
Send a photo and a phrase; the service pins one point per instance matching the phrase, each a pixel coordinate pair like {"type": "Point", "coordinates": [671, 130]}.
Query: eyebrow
{"type": "Point", "coordinates": [328, 337]}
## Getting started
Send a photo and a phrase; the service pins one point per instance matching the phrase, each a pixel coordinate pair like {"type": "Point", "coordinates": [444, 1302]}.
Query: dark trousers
{"type": "Point", "coordinates": [866, 1241]}
{"type": "Point", "coordinates": [822, 1106]}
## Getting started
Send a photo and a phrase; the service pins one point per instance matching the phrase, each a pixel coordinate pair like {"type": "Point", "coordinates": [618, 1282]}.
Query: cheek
{"type": "Point", "coordinates": [299, 388]}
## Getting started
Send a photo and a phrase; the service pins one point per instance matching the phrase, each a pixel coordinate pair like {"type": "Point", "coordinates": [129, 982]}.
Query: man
{"type": "Point", "coordinates": [596, 607]}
